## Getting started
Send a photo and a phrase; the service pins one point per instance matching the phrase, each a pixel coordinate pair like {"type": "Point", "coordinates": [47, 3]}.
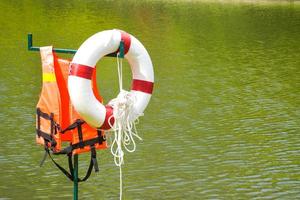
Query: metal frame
{"type": "Point", "coordinates": [72, 51]}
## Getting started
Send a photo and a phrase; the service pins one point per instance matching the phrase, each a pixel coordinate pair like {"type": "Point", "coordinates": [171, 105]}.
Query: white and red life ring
{"type": "Point", "coordinates": [84, 62]}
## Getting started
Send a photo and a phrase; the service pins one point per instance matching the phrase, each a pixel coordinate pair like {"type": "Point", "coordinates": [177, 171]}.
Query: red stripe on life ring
{"type": "Point", "coordinates": [143, 86]}
{"type": "Point", "coordinates": [108, 116]}
{"type": "Point", "coordinates": [82, 71]}
{"type": "Point", "coordinates": [125, 37]}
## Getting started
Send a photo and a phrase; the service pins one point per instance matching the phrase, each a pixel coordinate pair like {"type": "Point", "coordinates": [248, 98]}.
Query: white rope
{"type": "Point", "coordinates": [120, 71]}
{"type": "Point", "coordinates": [121, 182]}
{"type": "Point", "coordinates": [124, 129]}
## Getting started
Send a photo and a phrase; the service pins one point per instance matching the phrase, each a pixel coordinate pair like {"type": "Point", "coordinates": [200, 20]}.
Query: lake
{"type": "Point", "coordinates": [224, 118]}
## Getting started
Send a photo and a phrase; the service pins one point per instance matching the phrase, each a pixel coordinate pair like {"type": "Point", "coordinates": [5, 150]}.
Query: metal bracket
{"type": "Point", "coordinates": [70, 51]}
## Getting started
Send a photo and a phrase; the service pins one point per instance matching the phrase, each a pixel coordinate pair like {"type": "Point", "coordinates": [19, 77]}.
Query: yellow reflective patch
{"type": "Point", "coordinates": [49, 77]}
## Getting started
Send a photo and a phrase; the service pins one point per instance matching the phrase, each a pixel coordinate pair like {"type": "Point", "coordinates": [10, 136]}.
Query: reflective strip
{"type": "Point", "coordinates": [49, 77]}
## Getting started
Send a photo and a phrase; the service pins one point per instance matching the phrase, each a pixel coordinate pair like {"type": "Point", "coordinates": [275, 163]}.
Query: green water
{"type": "Point", "coordinates": [224, 120]}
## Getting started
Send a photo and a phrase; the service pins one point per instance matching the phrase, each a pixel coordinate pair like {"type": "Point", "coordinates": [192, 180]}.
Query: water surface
{"type": "Point", "coordinates": [223, 122]}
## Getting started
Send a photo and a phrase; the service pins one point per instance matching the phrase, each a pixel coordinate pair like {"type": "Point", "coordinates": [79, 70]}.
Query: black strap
{"type": "Point", "coordinates": [70, 175]}
{"type": "Point", "coordinates": [47, 117]}
{"type": "Point", "coordinates": [90, 142]}
{"type": "Point", "coordinates": [38, 119]}
{"type": "Point", "coordinates": [73, 126]}
{"type": "Point", "coordinates": [100, 137]}
{"type": "Point", "coordinates": [63, 170]}
{"type": "Point", "coordinates": [47, 137]}
{"type": "Point", "coordinates": [94, 158]}
{"type": "Point", "coordinates": [41, 133]}
{"type": "Point", "coordinates": [88, 172]}
{"type": "Point", "coordinates": [79, 131]}
{"type": "Point", "coordinates": [66, 150]}
{"type": "Point", "coordinates": [70, 162]}
{"type": "Point", "coordinates": [44, 158]}
{"type": "Point", "coordinates": [42, 114]}
{"type": "Point", "coordinates": [52, 125]}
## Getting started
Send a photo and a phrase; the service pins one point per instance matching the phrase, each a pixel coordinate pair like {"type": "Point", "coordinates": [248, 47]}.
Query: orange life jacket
{"type": "Point", "coordinates": [57, 122]}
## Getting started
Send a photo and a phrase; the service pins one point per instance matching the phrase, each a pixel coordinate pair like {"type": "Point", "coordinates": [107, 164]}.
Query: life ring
{"type": "Point", "coordinates": [83, 65]}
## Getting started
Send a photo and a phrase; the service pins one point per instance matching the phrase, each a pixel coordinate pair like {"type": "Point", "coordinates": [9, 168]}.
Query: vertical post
{"type": "Point", "coordinates": [75, 189]}
{"type": "Point", "coordinates": [29, 39]}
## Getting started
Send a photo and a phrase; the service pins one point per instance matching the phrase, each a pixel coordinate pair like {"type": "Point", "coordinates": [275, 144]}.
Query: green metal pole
{"type": "Point", "coordinates": [75, 189]}
{"type": "Point", "coordinates": [30, 47]}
